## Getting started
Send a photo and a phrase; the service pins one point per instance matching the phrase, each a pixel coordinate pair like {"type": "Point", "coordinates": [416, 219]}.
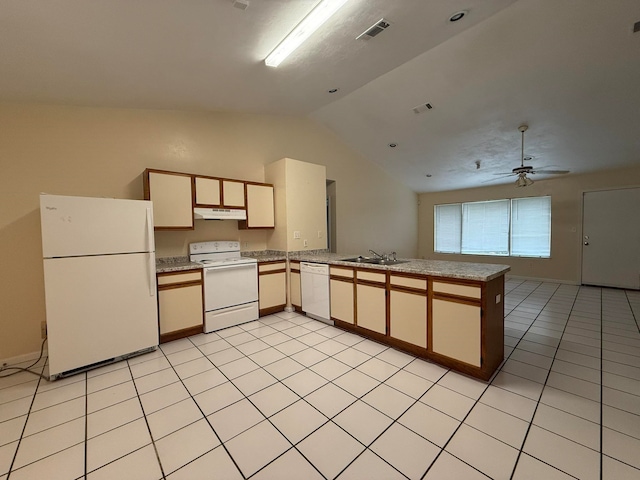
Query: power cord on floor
{"type": "Point", "coordinates": [4, 368]}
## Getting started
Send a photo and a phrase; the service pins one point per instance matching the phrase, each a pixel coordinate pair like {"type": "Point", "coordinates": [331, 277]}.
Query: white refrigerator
{"type": "Point", "coordinates": [100, 280]}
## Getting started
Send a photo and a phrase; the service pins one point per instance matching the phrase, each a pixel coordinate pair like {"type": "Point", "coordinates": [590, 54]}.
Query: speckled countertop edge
{"type": "Point", "coordinates": [482, 272]}
{"type": "Point", "coordinates": [265, 255]}
{"type": "Point", "coordinates": [175, 264]}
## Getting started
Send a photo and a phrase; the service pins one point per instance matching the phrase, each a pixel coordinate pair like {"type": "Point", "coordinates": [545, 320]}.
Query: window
{"type": "Point", "coordinates": [531, 227]}
{"type": "Point", "coordinates": [448, 223]}
{"type": "Point", "coordinates": [485, 228]}
{"type": "Point", "coordinates": [520, 227]}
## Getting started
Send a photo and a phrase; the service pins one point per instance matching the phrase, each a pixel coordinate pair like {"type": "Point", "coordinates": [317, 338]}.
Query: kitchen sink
{"type": "Point", "coordinates": [373, 261]}
{"type": "Point", "coordinates": [357, 259]}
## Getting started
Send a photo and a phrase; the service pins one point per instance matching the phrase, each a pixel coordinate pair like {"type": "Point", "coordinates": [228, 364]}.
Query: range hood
{"type": "Point", "coordinates": [219, 214]}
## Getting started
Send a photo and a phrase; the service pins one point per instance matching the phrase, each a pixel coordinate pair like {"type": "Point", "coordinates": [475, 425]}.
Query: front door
{"type": "Point", "coordinates": [611, 238]}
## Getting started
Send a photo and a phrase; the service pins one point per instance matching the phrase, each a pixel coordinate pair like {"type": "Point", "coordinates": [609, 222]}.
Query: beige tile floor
{"type": "Point", "coordinates": [290, 397]}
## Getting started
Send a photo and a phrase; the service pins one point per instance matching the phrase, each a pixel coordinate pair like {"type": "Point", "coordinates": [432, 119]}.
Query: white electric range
{"type": "Point", "coordinates": [230, 283]}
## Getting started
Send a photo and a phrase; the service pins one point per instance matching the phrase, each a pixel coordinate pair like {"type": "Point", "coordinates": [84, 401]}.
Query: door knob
{"type": "Point", "coordinates": [586, 243]}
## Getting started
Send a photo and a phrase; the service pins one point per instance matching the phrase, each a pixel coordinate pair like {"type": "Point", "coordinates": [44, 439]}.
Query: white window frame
{"type": "Point", "coordinates": [509, 233]}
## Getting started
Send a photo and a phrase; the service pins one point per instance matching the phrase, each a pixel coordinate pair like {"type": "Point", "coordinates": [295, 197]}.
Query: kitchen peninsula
{"type": "Point", "coordinates": [449, 312]}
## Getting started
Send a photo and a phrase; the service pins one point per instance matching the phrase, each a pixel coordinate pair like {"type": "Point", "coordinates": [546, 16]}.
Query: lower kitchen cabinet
{"type": "Point", "coordinates": [272, 287]}
{"type": "Point", "coordinates": [408, 317]}
{"type": "Point", "coordinates": [342, 293]}
{"type": "Point", "coordinates": [456, 331]}
{"type": "Point", "coordinates": [371, 301]}
{"type": "Point", "coordinates": [295, 287]}
{"type": "Point", "coordinates": [408, 309]}
{"type": "Point", "coordinates": [458, 323]}
{"type": "Point", "coordinates": [180, 304]}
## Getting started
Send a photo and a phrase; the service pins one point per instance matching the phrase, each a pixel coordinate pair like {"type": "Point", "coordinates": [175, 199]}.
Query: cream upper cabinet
{"type": "Point", "coordinates": [208, 191]}
{"type": "Point", "coordinates": [233, 194]}
{"type": "Point", "coordinates": [260, 208]}
{"type": "Point", "coordinates": [456, 330]}
{"type": "Point", "coordinates": [171, 195]}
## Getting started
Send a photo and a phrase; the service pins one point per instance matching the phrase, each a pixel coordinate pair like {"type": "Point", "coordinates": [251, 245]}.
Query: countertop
{"type": "Point", "coordinates": [175, 264]}
{"type": "Point", "coordinates": [266, 255]}
{"type": "Point", "coordinates": [483, 272]}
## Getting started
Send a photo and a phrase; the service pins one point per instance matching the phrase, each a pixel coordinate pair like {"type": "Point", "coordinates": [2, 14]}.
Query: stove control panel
{"type": "Point", "coordinates": [214, 247]}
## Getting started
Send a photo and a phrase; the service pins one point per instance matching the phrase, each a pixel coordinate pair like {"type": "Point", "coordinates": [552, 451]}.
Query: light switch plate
{"type": "Point", "coordinates": [296, 234]}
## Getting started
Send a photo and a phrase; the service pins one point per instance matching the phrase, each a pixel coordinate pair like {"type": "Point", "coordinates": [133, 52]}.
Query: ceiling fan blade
{"type": "Point", "coordinates": [497, 178]}
{"type": "Point", "coordinates": [505, 173]}
{"type": "Point", "coordinates": [555, 172]}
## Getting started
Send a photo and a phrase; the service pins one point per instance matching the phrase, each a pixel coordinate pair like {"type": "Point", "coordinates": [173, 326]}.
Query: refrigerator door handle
{"type": "Point", "coordinates": [150, 246]}
{"type": "Point", "coordinates": [152, 273]}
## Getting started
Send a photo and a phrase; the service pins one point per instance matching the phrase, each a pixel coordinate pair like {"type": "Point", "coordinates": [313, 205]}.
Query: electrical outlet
{"type": "Point", "coordinates": [245, 244]}
{"type": "Point", "coordinates": [306, 243]}
{"type": "Point", "coordinates": [43, 329]}
{"type": "Point", "coordinates": [319, 233]}
{"type": "Point", "coordinates": [296, 234]}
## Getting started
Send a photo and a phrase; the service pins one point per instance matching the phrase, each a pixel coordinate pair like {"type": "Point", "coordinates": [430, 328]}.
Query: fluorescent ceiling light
{"type": "Point", "coordinates": [320, 14]}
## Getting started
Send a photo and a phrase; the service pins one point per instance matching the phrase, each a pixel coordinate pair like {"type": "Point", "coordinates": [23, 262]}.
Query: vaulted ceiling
{"type": "Point", "coordinates": [570, 69]}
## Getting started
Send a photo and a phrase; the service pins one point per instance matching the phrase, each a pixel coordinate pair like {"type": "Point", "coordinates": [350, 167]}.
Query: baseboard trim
{"type": "Point", "coordinates": [540, 279]}
{"type": "Point", "coordinates": [26, 357]}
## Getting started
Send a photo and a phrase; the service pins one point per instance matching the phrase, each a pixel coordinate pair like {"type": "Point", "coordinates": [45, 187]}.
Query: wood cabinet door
{"type": "Point", "coordinates": [260, 212]}
{"type": "Point", "coordinates": [296, 293]}
{"type": "Point", "coordinates": [371, 308]}
{"type": "Point", "coordinates": [272, 290]}
{"type": "Point", "coordinates": [456, 331]}
{"type": "Point", "coordinates": [172, 201]}
{"type": "Point", "coordinates": [408, 317]}
{"type": "Point", "coordinates": [207, 191]}
{"type": "Point", "coordinates": [233, 194]}
{"type": "Point", "coordinates": [342, 305]}
{"type": "Point", "coordinates": [180, 308]}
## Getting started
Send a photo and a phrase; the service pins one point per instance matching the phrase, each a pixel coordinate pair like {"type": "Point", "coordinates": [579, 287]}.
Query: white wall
{"type": "Point", "coordinates": [103, 152]}
{"type": "Point", "coordinates": [566, 221]}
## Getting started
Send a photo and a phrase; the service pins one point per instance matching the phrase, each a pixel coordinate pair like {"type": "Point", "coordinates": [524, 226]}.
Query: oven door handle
{"type": "Point", "coordinates": [229, 267]}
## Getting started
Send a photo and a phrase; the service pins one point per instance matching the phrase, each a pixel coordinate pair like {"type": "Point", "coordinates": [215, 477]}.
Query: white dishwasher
{"type": "Point", "coordinates": [315, 291]}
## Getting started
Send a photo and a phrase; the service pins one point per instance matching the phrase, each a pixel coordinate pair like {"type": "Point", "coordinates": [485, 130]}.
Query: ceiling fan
{"type": "Point", "coordinates": [523, 170]}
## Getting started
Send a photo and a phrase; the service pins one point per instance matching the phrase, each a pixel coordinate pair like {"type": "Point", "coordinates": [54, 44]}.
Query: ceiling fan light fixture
{"type": "Point", "coordinates": [523, 180]}
{"type": "Point", "coordinates": [309, 24]}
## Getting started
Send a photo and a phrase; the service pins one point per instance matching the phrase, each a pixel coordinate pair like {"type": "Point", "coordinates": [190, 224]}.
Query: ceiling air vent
{"type": "Point", "coordinates": [378, 27]}
{"type": "Point", "coordinates": [241, 4]}
{"type": "Point", "coordinates": [423, 107]}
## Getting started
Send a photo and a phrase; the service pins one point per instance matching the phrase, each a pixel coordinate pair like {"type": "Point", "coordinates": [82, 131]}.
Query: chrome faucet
{"type": "Point", "coordinates": [377, 255]}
